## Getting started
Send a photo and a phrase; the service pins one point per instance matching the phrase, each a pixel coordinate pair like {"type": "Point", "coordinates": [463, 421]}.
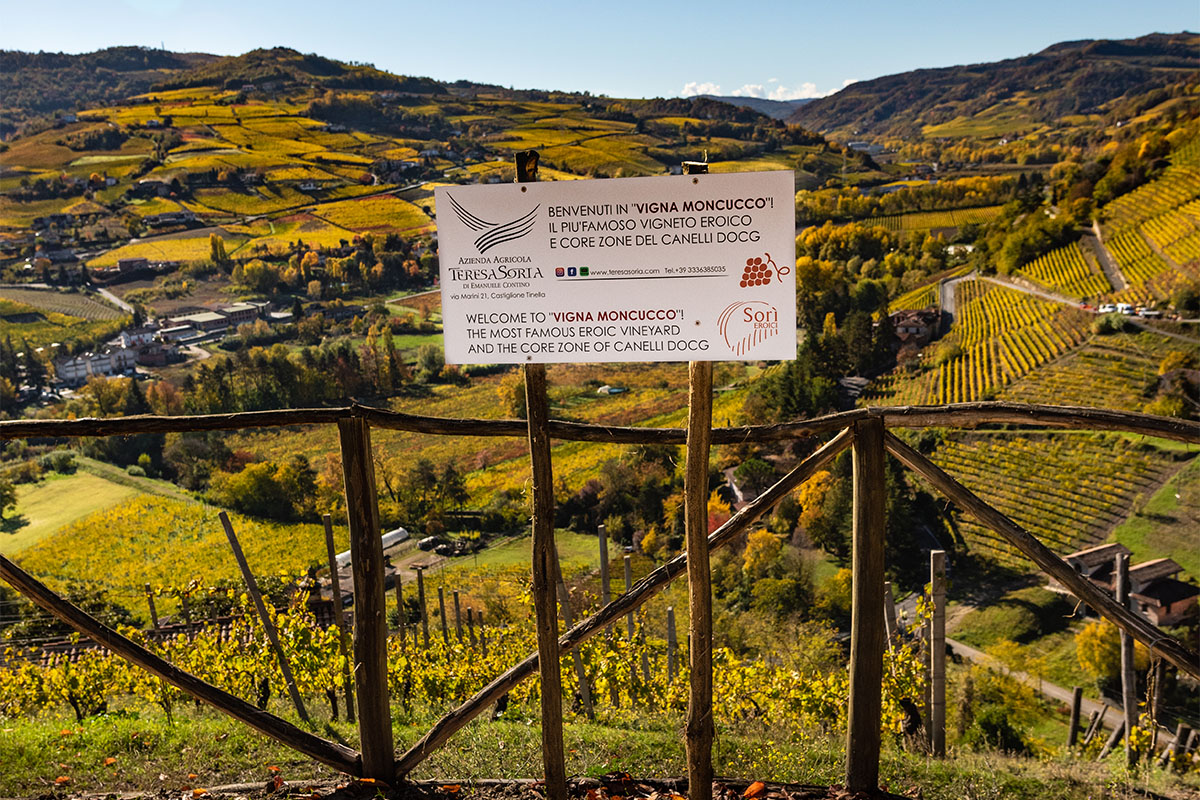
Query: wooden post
{"type": "Point", "coordinates": [1076, 705]}
{"type": "Point", "coordinates": [401, 621]}
{"type": "Point", "coordinates": [458, 617]}
{"type": "Point", "coordinates": [339, 617]}
{"type": "Point", "coordinates": [185, 606]}
{"type": "Point", "coordinates": [153, 610]}
{"type": "Point", "coordinates": [370, 605]}
{"type": "Point", "coordinates": [699, 728]}
{"type": "Point", "coordinates": [421, 603]}
{"type": "Point", "coordinates": [889, 614]}
{"type": "Point", "coordinates": [1129, 700]}
{"type": "Point", "coordinates": [442, 614]}
{"type": "Point", "coordinates": [937, 577]}
{"type": "Point", "coordinates": [268, 625]}
{"type": "Point", "coordinates": [564, 600]}
{"type": "Point", "coordinates": [538, 418]}
{"type": "Point", "coordinates": [672, 644]}
{"type": "Point", "coordinates": [1117, 733]}
{"type": "Point", "coordinates": [1183, 745]}
{"type": "Point", "coordinates": [471, 625]}
{"type": "Point", "coordinates": [628, 561]}
{"type": "Point", "coordinates": [866, 627]}
{"type": "Point", "coordinates": [605, 596]}
{"type": "Point", "coordinates": [1095, 725]}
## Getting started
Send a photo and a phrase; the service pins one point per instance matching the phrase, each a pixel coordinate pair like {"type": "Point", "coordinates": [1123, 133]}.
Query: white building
{"type": "Point", "coordinates": [75, 370]}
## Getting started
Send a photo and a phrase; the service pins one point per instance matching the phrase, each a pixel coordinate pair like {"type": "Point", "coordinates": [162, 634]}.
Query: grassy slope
{"type": "Point", "coordinates": [1168, 524]}
{"type": "Point", "coordinates": [46, 506]}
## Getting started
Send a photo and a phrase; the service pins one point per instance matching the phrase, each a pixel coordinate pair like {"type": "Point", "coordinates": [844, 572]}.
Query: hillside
{"type": "Point", "coordinates": [45, 83]}
{"type": "Point", "coordinates": [1069, 78]}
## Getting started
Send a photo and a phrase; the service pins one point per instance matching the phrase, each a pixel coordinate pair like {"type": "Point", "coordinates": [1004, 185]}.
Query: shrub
{"type": "Point", "coordinates": [60, 461]}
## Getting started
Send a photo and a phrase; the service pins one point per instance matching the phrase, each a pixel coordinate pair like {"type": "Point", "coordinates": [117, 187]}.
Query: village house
{"type": "Point", "coordinates": [1154, 591]}
{"type": "Point", "coordinates": [136, 337]}
{"type": "Point", "coordinates": [75, 370]}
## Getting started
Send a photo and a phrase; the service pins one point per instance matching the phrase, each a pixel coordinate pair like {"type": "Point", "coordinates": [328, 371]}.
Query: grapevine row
{"type": "Point", "coordinates": [1065, 270]}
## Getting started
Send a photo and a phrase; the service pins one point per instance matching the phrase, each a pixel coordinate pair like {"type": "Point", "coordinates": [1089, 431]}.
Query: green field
{"type": "Point", "coordinates": [72, 304]}
{"type": "Point", "coordinates": [46, 506]}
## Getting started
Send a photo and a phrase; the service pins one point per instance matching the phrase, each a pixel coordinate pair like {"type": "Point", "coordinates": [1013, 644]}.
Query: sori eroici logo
{"type": "Point", "coordinates": [745, 324]}
{"type": "Point", "coordinates": [491, 233]}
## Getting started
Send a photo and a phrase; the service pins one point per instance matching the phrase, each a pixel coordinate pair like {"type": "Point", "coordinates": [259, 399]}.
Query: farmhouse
{"type": "Point", "coordinates": [1154, 591]}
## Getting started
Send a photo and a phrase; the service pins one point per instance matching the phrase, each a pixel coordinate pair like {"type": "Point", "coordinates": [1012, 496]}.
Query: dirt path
{"type": "Point", "coordinates": [1107, 262]}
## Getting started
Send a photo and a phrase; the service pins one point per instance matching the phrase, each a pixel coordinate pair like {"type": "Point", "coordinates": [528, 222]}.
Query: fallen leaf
{"type": "Point", "coordinates": [61, 779]}
{"type": "Point", "coordinates": [278, 782]}
{"type": "Point", "coordinates": [108, 762]}
{"type": "Point", "coordinates": [451, 788]}
{"type": "Point", "coordinates": [592, 794]}
{"type": "Point", "coordinates": [199, 792]}
{"type": "Point", "coordinates": [66, 732]}
{"type": "Point", "coordinates": [754, 789]}
{"type": "Point", "coordinates": [64, 766]}
{"type": "Point", "coordinates": [272, 768]}
{"type": "Point", "coordinates": [192, 776]}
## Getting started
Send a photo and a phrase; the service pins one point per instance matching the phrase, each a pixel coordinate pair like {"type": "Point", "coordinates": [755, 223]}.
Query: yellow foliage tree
{"type": "Point", "coordinates": [762, 550]}
{"type": "Point", "coordinates": [812, 496]}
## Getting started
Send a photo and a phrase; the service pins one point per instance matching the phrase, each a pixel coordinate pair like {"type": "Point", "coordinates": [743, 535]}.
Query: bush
{"type": "Point", "coordinates": [60, 461]}
{"type": "Point", "coordinates": [1110, 323]}
{"type": "Point", "coordinates": [135, 471]}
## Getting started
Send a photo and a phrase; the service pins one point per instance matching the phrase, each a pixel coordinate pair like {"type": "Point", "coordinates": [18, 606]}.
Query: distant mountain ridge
{"type": "Point", "coordinates": [776, 109]}
{"type": "Point", "coordinates": [1066, 78]}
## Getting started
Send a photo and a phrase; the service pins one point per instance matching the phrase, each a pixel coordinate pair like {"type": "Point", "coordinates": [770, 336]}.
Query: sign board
{"type": "Point", "coordinates": [674, 268]}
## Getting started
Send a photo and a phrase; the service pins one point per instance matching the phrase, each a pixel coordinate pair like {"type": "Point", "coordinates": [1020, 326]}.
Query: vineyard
{"type": "Point", "coordinates": [1069, 490]}
{"type": "Point", "coordinates": [71, 304]}
{"type": "Point", "coordinates": [1066, 271]}
{"type": "Point", "coordinates": [932, 220]}
{"type": "Point", "coordinates": [25, 323]}
{"type": "Point", "coordinates": [1176, 232]}
{"type": "Point", "coordinates": [1117, 368]}
{"type": "Point", "coordinates": [1178, 185]}
{"type": "Point", "coordinates": [921, 297]}
{"type": "Point", "coordinates": [999, 335]}
{"type": "Point", "coordinates": [1149, 277]}
{"type": "Point", "coordinates": [172, 540]}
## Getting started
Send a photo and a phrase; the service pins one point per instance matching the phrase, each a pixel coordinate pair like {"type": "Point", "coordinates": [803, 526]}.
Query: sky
{"type": "Point", "coordinates": [621, 48]}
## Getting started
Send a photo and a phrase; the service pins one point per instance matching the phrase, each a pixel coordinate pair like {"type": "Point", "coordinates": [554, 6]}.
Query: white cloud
{"type": "Point", "coordinates": [771, 90]}
{"type": "Point", "coordinates": [697, 87]}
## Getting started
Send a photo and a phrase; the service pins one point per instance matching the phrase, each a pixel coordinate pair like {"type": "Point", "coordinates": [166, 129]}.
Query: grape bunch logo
{"type": "Point", "coordinates": [760, 270]}
{"type": "Point", "coordinates": [490, 233]}
{"type": "Point", "coordinates": [748, 323]}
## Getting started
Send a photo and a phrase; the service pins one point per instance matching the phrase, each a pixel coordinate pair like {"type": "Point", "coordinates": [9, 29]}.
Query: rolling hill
{"type": "Point", "coordinates": [1065, 79]}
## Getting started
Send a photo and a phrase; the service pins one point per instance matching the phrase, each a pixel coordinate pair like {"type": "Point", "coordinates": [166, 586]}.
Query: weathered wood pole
{"type": "Point", "coordinates": [458, 630]}
{"type": "Point", "coordinates": [1129, 700]}
{"type": "Point", "coordinates": [338, 756]}
{"type": "Point", "coordinates": [1095, 725]}
{"type": "Point", "coordinates": [424, 610]}
{"type": "Point", "coordinates": [605, 595]}
{"type": "Point", "coordinates": [544, 602]}
{"type": "Point", "coordinates": [1076, 705]}
{"type": "Point", "coordinates": [889, 614]}
{"type": "Point", "coordinates": [1117, 733]}
{"type": "Point", "coordinates": [628, 563]}
{"type": "Point", "coordinates": [442, 614]}
{"type": "Point", "coordinates": [564, 601]}
{"type": "Point", "coordinates": [401, 621]}
{"type": "Point", "coordinates": [339, 617]}
{"type": "Point", "coordinates": [268, 625]}
{"type": "Point", "coordinates": [672, 644]}
{"type": "Point", "coordinates": [699, 728]}
{"type": "Point", "coordinates": [1184, 737]}
{"type": "Point", "coordinates": [937, 579]}
{"type": "Point", "coordinates": [866, 626]}
{"type": "Point", "coordinates": [370, 604]}
{"type": "Point", "coordinates": [153, 609]}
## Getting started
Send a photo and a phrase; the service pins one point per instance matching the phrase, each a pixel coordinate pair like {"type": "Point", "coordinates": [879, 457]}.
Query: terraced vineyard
{"type": "Point", "coordinates": [1117, 368]}
{"type": "Point", "coordinates": [1178, 185]}
{"type": "Point", "coordinates": [1070, 490]}
{"type": "Point", "coordinates": [1066, 271]}
{"type": "Point", "coordinates": [999, 335]}
{"type": "Point", "coordinates": [1149, 277]}
{"type": "Point", "coordinates": [930, 220]}
{"type": "Point", "coordinates": [1177, 233]}
{"type": "Point", "coordinates": [72, 304]}
{"type": "Point", "coordinates": [921, 297]}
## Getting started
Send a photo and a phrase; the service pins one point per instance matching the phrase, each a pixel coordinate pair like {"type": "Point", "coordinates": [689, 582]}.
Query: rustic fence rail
{"type": "Point", "coordinates": [865, 429]}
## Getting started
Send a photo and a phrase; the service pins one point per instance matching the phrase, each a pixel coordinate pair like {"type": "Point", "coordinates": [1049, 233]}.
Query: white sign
{"type": "Point", "coordinates": [681, 268]}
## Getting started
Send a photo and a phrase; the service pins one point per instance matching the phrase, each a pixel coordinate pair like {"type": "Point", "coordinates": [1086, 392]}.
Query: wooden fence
{"type": "Point", "coordinates": [865, 430]}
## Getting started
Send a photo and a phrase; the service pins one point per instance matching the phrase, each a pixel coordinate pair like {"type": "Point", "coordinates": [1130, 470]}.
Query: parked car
{"type": "Point", "coordinates": [1107, 308]}
{"type": "Point", "coordinates": [430, 542]}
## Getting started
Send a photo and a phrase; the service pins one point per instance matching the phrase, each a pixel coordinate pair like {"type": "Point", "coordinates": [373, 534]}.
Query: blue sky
{"type": "Point", "coordinates": [620, 48]}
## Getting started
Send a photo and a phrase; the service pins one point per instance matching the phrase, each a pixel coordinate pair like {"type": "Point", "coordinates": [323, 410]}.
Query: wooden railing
{"type": "Point", "coordinates": [863, 429]}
